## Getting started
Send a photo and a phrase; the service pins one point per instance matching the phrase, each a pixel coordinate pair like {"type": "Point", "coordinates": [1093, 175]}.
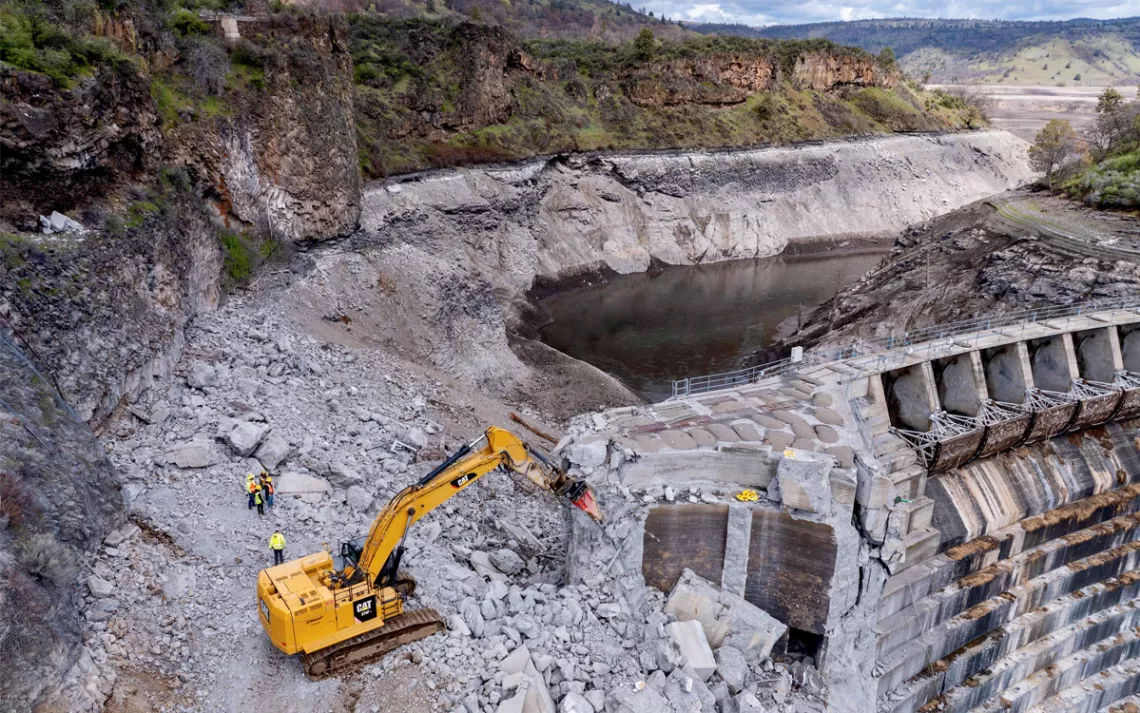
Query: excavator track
{"type": "Point", "coordinates": [366, 648]}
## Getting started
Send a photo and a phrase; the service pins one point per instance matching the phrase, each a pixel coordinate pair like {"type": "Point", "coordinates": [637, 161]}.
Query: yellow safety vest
{"type": "Point", "coordinates": [277, 542]}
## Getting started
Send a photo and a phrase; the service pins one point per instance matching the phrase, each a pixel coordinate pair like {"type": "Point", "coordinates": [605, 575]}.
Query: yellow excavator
{"type": "Point", "coordinates": [349, 610]}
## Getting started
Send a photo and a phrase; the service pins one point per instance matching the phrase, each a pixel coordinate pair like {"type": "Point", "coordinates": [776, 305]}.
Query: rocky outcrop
{"type": "Point", "coordinates": [285, 162]}
{"type": "Point", "coordinates": [58, 499]}
{"type": "Point", "coordinates": [62, 149]}
{"type": "Point", "coordinates": [104, 314]}
{"type": "Point", "coordinates": [822, 71]}
{"type": "Point", "coordinates": [559, 218]}
{"type": "Point", "coordinates": [714, 80]}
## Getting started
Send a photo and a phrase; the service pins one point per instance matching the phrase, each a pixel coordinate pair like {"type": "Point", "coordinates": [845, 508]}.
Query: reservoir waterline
{"type": "Point", "coordinates": [647, 329]}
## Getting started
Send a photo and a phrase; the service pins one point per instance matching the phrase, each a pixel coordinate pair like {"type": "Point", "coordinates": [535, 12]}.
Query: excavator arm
{"type": "Point", "coordinates": [379, 558]}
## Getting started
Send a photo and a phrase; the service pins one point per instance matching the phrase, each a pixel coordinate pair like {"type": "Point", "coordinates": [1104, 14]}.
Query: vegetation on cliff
{"type": "Point", "coordinates": [433, 94]}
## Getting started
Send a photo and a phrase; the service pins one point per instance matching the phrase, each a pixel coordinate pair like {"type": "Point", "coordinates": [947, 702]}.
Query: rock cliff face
{"type": "Point", "coordinates": [59, 150]}
{"type": "Point", "coordinates": [280, 159]}
{"type": "Point", "coordinates": [58, 499]}
{"type": "Point", "coordinates": [104, 314]}
{"type": "Point", "coordinates": [560, 218]}
{"type": "Point", "coordinates": [822, 71]}
{"type": "Point", "coordinates": [284, 163]}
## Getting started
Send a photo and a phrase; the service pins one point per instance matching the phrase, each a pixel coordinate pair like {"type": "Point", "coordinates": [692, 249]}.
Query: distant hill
{"type": "Point", "coordinates": [1073, 52]}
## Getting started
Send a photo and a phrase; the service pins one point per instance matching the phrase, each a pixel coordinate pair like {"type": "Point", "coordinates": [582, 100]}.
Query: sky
{"type": "Point", "coordinates": [792, 12]}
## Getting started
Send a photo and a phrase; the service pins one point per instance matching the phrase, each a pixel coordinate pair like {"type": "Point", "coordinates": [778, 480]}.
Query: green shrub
{"type": "Point", "coordinates": [238, 256]}
{"type": "Point", "coordinates": [186, 23]}
{"type": "Point", "coordinates": [37, 43]}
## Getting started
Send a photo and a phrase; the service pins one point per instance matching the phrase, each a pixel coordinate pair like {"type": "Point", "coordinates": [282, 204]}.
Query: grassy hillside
{"type": "Point", "coordinates": [431, 94]}
{"type": "Point", "coordinates": [1075, 52]}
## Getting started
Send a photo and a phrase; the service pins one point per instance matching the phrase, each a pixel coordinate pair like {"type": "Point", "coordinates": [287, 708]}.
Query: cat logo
{"type": "Point", "coordinates": [463, 480]}
{"type": "Point", "coordinates": [365, 609]}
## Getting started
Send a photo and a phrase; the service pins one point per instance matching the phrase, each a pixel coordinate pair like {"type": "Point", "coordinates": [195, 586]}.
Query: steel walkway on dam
{"type": "Point", "coordinates": [961, 392]}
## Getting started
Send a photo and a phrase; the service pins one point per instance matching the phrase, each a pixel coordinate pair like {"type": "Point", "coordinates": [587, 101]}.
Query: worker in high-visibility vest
{"type": "Point", "coordinates": [277, 544]}
{"type": "Point", "coordinates": [251, 487]}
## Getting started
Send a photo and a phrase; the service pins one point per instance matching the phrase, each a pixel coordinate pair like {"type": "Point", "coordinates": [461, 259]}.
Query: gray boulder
{"type": "Point", "coordinates": [507, 561]}
{"type": "Point", "coordinates": [272, 451]}
{"type": "Point", "coordinates": [195, 453]}
{"type": "Point", "coordinates": [358, 498]}
{"type": "Point", "coordinates": [342, 476]}
{"type": "Point", "coordinates": [727, 618]}
{"type": "Point", "coordinates": [732, 668]}
{"type": "Point", "coordinates": [246, 436]}
{"type": "Point", "coordinates": [201, 375]}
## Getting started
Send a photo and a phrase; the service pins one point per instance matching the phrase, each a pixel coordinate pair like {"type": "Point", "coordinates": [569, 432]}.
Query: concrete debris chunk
{"type": "Point", "coordinates": [507, 561]}
{"type": "Point", "coordinates": [246, 436]}
{"type": "Point", "coordinates": [732, 668]}
{"type": "Point", "coordinates": [685, 691]}
{"type": "Point", "coordinates": [805, 481]}
{"type": "Point", "coordinates": [301, 484]}
{"type": "Point", "coordinates": [342, 476]}
{"type": "Point", "coordinates": [516, 661]}
{"type": "Point", "coordinates": [726, 618]}
{"type": "Point", "coordinates": [272, 451]}
{"type": "Point", "coordinates": [358, 498]}
{"type": "Point", "coordinates": [646, 700]}
{"type": "Point", "coordinates": [196, 453]}
{"type": "Point", "coordinates": [689, 636]}
{"type": "Point", "coordinates": [575, 703]}
{"type": "Point", "coordinates": [99, 587]}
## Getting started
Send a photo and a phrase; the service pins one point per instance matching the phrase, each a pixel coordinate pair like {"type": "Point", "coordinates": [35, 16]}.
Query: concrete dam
{"type": "Point", "coordinates": [947, 520]}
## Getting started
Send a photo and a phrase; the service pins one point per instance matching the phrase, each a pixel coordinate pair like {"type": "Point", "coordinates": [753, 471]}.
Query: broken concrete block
{"type": "Point", "coordinates": [574, 703]}
{"type": "Point", "coordinates": [99, 587]}
{"type": "Point", "coordinates": [685, 691]}
{"type": "Point", "coordinates": [513, 705]}
{"type": "Point", "coordinates": [301, 484]}
{"type": "Point", "coordinates": [805, 481]}
{"type": "Point", "coordinates": [647, 700]}
{"type": "Point", "coordinates": [732, 668]}
{"type": "Point", "coordinates": [689, 636]}
{"type": "Point", "coordinates": [515, 661]}
{"type": "Point", "coordinates": [358, 498]}
{"type": "Point", "coordinates": [727, 619]}
{"type": "Point", "coordinates": [590, 452]}
{"type": "Point", "coordinates": [272, 451]}
{"type": "Point", "coordinates": [538, 698]}
{"type": "Point", "coordinates": [196, 453]}
{"type": "Point", "coordinates": [246, 436]}
{"type": "Point", "coordinates": [201, 375]}
{"type": "Point", "coordinates": [507, 561]}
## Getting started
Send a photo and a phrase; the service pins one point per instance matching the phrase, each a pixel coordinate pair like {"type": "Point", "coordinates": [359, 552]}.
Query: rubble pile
{"type": "Point", "coordinates": [342, 430]}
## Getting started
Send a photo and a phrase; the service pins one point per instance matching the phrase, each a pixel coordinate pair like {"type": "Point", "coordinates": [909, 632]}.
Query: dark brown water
{"type": "Point", "coordinates": [686, 321]}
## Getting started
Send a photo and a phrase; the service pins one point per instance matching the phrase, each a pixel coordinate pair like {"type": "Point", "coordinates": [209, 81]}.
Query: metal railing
{"type": "Point", "coordinates": [829, 355]}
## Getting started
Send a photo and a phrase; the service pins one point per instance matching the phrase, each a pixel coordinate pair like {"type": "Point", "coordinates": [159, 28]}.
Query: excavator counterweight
{"type": "Point", "coordinates": [340, 614]}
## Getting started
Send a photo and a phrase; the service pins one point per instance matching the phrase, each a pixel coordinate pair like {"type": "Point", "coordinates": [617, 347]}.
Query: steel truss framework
{"type": "Point", "coordinates": [946, 427]}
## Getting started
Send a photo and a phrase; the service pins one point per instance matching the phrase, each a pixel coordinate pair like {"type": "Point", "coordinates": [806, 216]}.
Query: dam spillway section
{"type": "Point", "coordinates": [946, 521]}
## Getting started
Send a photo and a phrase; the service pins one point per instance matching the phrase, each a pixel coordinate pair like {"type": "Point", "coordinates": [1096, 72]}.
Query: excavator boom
{"type": "Point", "coordinates": [348, 615]}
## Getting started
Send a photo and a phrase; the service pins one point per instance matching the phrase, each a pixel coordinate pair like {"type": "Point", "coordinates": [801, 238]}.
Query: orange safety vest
{"type": "Point", "coordinates": [269, 487]}
{"type": "Point", "coordinates": [253, 486]}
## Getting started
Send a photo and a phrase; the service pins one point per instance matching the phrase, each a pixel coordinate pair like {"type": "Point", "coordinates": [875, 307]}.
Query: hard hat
{"type": "Point", "coordinates": [249, 476]}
